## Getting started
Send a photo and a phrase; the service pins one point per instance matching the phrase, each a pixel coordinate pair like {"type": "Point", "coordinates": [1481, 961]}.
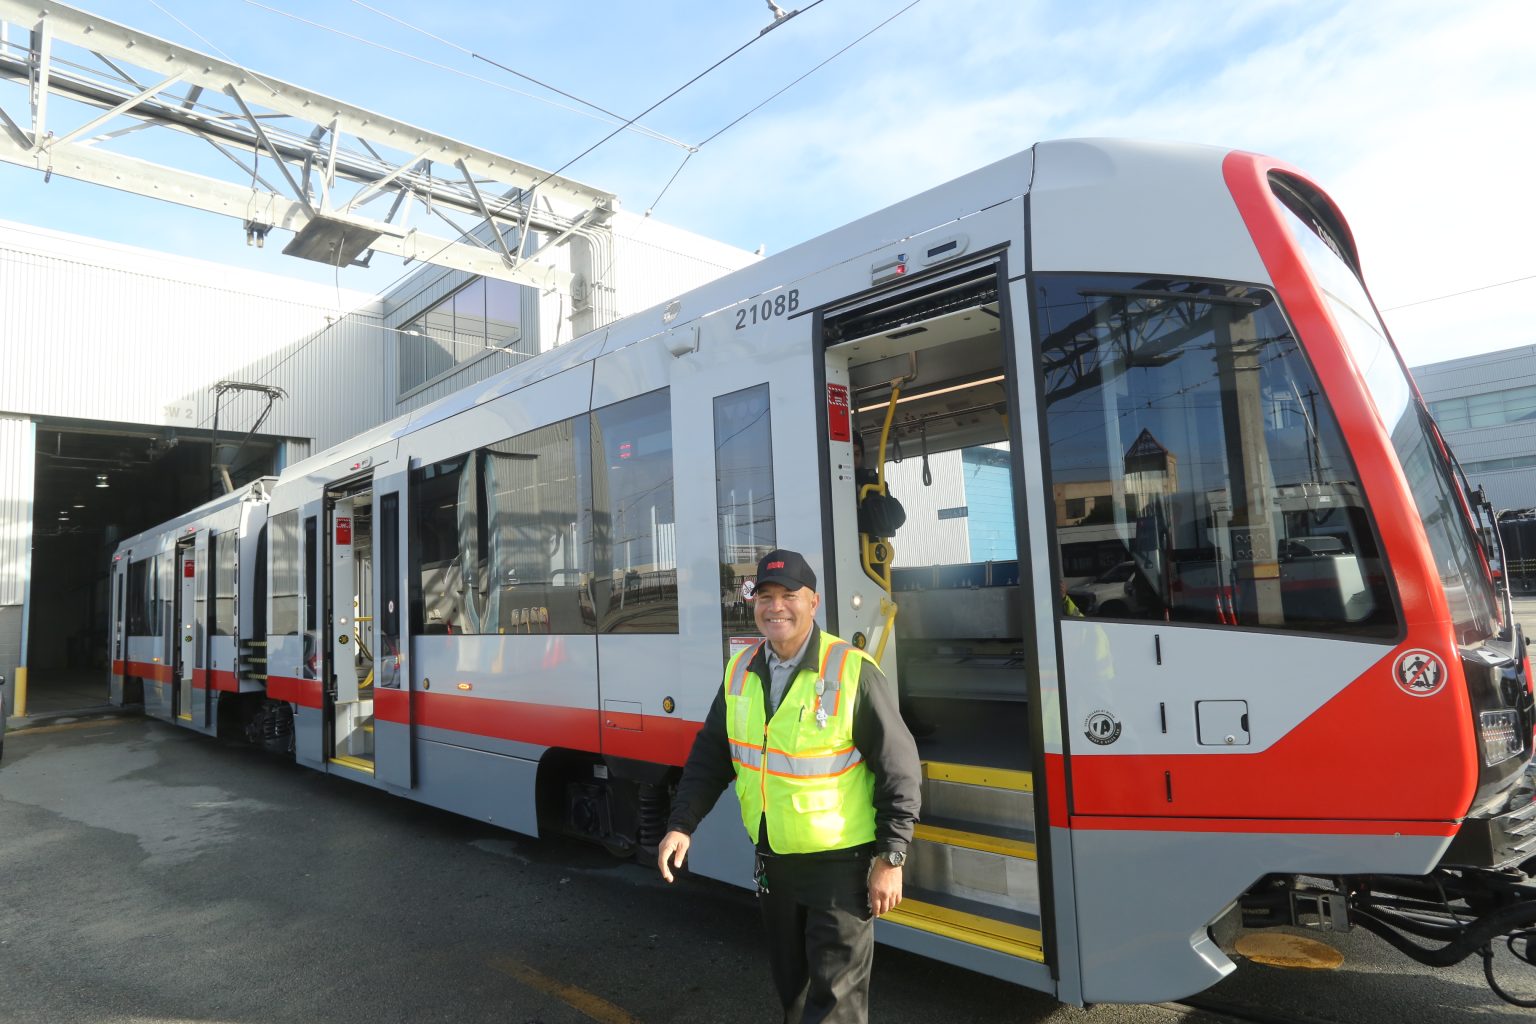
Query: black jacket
{"type": "Point", "coordinates": [878, 732]}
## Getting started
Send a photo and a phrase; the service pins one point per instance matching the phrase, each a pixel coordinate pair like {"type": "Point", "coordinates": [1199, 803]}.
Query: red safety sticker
{"type": "Point", "coordinates": [1419, 673]}
{"type": "Point", "coordinates": [188, 569]}
{"type": "Point", "coordinates": [343, 529]}
{"type": "Point", "coordinates": [837, 412]}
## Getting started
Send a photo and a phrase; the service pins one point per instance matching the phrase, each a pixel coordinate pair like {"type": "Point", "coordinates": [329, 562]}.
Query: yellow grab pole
{"type": "Point", "coordinates": [20, 708]}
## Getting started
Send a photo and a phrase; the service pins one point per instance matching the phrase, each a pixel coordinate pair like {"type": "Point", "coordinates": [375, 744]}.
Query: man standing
{"type": "Point", "coordinates": [828, 780]}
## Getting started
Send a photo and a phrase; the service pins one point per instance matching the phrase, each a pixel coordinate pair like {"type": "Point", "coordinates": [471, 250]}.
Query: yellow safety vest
{"type": "Point", "coordinates": [801, 767]}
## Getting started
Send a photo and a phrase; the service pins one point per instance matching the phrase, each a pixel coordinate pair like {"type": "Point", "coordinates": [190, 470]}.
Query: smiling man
{"type": "Point", "coordinates": [828, 781]}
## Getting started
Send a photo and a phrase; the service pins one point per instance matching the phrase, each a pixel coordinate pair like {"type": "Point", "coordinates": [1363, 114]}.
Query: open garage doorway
{"type": "Point", "coordinates": [95, 484]}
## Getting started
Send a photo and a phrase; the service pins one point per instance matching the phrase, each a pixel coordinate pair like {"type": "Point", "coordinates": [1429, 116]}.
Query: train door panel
{"type": "Point", "coordinates": [311, 667]}
{"type": "Point", "coordinates": [938, 589]}
{"type": "Point", "coordinates": [391, 687]}
{"type": "Point", "coordinates": [184, 618]}
{"type": "Point", "coordinates": [198, 712]}
{"type": "Point", "coordinates": [350, 604]}
{"type": "Point", "coordinates": [119, 649]}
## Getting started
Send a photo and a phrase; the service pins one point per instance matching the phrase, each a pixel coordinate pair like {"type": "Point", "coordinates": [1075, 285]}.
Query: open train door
{"type": "Point", "coordinates": [940, 589]}
{"type": "Point", "coordinates": [119, 628]}
{"type": "Point", "coordinates": [349, 604]}
{"type": "Point", "coordinates": [190, 621]}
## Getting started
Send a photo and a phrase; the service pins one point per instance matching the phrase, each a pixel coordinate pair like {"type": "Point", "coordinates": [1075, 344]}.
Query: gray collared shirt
{"type": "Point", "coordinates": [781, 671]}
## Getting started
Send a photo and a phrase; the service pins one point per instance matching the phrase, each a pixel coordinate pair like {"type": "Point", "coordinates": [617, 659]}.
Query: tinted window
{"type": "Point", "coordinates": [1189, 437]}
{"type": "Point", "coordinates": [743, 497]}
{"type": "Point", "coordinates": [633, 523]}
{"type": "Point", "coordinates": [140, 598]}
{"type": "Point", "coordinates": [537, 531]}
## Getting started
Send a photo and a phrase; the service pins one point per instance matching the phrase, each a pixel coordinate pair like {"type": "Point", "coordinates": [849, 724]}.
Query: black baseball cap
{"type": "Point", "coordinates": [787, 569]}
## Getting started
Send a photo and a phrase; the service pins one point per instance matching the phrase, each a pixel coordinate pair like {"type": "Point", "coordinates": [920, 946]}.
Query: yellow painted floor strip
{"type": "Point", "coordinates": [583, 1002]}
{"type": "Point", "coordinates": [353, 762]}
{"type": "Point", "coordinates": [184, 718]}
{"type": "Point", "coordinates": [976, 775]}
{"type": "Point", "coordinates": [978, 931]}
{"type": "Point", "coordinates": [973, 841]}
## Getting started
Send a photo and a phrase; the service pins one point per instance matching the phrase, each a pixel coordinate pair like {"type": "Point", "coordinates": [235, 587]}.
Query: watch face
{"type": "Point", "coordinates": [895, 860]}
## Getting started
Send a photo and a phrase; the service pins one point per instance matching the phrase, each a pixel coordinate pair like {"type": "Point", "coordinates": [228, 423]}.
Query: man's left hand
{"type": "Point", "coordinates": [884, 886]}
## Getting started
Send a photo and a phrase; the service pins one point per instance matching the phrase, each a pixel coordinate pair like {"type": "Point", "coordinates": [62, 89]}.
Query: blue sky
{"type": "Point", "coordinates": [1415, 115]}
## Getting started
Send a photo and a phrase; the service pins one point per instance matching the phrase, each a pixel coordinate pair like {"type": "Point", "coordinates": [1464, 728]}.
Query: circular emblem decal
{"type": "Point", "coordinates": [670, 313]}
{"type": "Point", "coordinates": [1419, 673]}
{"type": "Point", "coordinates": [1102, 728]}
{"type": "Point", "coordinates": [748, 588]}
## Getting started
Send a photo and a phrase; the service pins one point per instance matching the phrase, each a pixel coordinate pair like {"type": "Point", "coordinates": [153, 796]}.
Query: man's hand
{"type": "Point", "coordinates": [884, 886]}
{"type": "Point", "coordinates": [674, 847]}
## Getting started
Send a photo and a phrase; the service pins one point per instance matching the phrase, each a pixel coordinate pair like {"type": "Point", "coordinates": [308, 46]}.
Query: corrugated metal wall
{"type": "Point", "coordinates": [1481, 375]}
{"type": "Point", "coordinates": [17, 469]}
{"type": "Point", "coordinates": [105, 332]}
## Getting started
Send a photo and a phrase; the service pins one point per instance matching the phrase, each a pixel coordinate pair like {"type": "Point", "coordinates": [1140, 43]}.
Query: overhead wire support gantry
{"type": "Point", "coordinates": [336, 164]}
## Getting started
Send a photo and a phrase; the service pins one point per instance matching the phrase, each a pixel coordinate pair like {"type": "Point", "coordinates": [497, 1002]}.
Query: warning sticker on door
{"type": "Point", "coordinates": [837, 412]}
{"type": "Point", "coordinates": [1419, 673]}
{"type": "Point", "coordinates": [343, 529]}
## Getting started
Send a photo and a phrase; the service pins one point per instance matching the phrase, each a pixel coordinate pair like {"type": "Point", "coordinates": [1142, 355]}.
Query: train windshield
{"type": "Point", "coordinates": [1462, 565]}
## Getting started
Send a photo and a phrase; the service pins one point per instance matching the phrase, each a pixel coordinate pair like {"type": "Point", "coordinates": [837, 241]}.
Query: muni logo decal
{"type": "Point", "coordinates": [1419, 673]}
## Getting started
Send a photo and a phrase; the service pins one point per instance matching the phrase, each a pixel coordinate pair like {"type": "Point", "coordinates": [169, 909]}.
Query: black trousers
{"type": "Point", "coordinates": [821, 936]}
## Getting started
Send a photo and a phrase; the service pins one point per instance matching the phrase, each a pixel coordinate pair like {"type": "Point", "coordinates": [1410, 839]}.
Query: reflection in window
{"type": "Point", "coordinates": [743, 497]}
{"type": "Point", "coordinates": [1189, 438]}
{"type": "Point", "coordinates": [141, 597]}
{"type": "Point", "coordinates": [285, 574]}
{"type": "Point", "coordinates": [537, 530]}
{"type": "Point", "coordinates": [481, 316]}
{"type": "Point", "coordinates": [634, 536]}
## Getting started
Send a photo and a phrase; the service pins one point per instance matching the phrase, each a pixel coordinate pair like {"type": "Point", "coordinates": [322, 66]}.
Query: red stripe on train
{"type": "Point", "coordinates": [1269, 826]}
{"type": "Point", "coordinates": [304, 692]}
{"type": "Point", "coordinates": [155, 672]}
{"type": "Point", "coordinates": [656, 738]}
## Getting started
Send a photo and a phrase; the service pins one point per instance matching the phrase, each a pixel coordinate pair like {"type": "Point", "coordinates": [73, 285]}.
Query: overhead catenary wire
{"type": "Point", "coordinates": [438, 66]}
{"type": "Point", "coordinates": [1457, 295]}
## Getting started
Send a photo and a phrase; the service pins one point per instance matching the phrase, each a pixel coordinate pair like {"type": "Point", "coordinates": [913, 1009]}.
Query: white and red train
{"type": "Point", "coordinates": [1308, 704]}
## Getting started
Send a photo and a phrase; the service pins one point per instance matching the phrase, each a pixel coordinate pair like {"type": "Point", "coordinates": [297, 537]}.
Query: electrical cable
{"type": "Point", "coordinates": [640, 129]}
{"type": "Point", "coordinates": [1467, 291]}
{"type": "Point", "coordinates": [809, 73]}
{"type": "Point", "coordinates": [495, 63]}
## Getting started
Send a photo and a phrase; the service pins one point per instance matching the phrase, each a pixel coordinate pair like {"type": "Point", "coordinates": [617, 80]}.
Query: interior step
{"type": "Point", "coordinates": [1014, 933]}
{"type": "Point", "coordinates": [972, 873]}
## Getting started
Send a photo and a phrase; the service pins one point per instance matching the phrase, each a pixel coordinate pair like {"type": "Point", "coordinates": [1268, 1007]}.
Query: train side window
{"type": "Point", "coordinates": [224, 579]}
{"type": "Point", "coordinates": [744, 507]}
{"type": "Point", "coordinates": [536, 489]}
{"type": "Point", "coordinates": [439, 507]}
{"type": "Point", "coordinates": [1192, 449]}
{"type": "Point", "coordinates": [140, 599]}
{"type": "Point", "coordinates": [285, 574]}
{"type": "Point", "coordinates": [633, 527]}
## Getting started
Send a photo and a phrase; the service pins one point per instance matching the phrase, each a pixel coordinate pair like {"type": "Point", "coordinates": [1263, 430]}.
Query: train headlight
{"type": "Point", "coordinates": [1501, 736]}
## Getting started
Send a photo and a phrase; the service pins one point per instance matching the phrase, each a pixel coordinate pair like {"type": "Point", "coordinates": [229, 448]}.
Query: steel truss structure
{"type": "Point", "coordinates": [333, 161]}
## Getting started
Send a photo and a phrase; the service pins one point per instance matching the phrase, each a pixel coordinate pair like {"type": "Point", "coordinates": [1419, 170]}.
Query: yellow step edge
{"type": "Point", "coordinates": [976, 775]}
{"type": "Point", "coordinates": [348, 761]}
{"type": "Point", "coordinates": [978, 931]}
{"type": "Point", "coordinates": [974, 841]}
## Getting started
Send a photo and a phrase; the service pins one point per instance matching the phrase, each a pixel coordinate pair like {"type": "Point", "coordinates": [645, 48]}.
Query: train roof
{"type": "Point", "coordinates": [946, 203]}
{"type": "Point", "coordinates": [259, 486]}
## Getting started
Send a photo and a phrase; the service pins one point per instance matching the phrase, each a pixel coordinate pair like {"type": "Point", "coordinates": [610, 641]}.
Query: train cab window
{"type": "Point", "coordinates": [224, 580]}
{"type": "Point", "coordinates": [1189, 441]}
{"type": "Point", "coordinates": [285, 574]}
{"type": "Point", "coordinates": [743, 498]}
{"type": "Point", "coordinates": [633, 524]}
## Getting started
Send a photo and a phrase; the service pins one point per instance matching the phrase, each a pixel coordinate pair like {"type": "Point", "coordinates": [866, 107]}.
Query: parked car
{"type": "Point", "coordinates": [1109, 593]}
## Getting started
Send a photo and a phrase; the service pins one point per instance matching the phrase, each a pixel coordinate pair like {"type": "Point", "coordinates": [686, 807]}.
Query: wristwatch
{"type": "Point", "coordinates": [894, 858]}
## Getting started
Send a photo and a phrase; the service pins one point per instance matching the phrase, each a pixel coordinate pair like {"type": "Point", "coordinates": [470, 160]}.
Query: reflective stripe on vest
{"type": "Point", "coordinates": [799, 768]}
